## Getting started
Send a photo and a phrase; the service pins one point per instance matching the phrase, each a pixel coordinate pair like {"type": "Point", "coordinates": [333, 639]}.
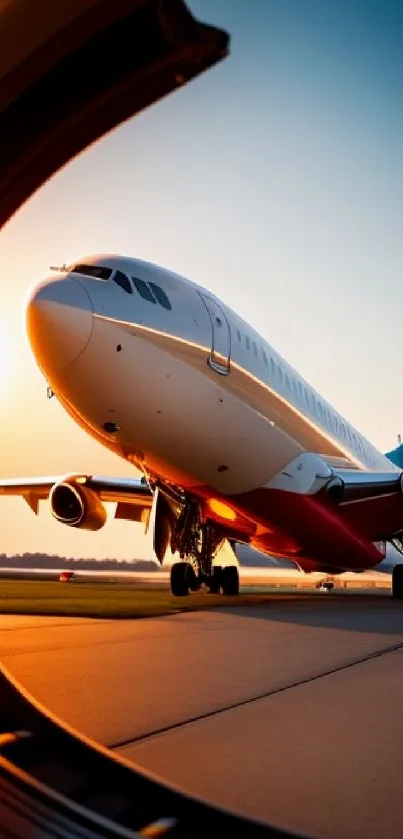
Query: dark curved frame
{"type": "Point", "coordinates": [113, 60]}
{"type": "Point", "coordinates": [53, 778]}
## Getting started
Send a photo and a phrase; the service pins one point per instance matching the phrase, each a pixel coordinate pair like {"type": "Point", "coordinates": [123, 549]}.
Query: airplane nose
{"type": "Point", "coordinates": [59, 322]}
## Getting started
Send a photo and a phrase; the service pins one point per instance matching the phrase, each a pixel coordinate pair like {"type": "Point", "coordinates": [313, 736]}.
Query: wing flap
{"type": "Point", "coordinates": [133, 512]}
{"type": "Point", "coordinates": [32, 490]}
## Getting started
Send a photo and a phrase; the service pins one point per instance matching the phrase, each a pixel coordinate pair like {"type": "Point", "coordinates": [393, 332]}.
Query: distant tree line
{"type": "Point", "coordinates": [52, 562]}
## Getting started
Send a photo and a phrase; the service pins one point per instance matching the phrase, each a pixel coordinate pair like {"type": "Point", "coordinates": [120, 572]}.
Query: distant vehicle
{"type": "Point", "coordinates": [66, 577]}
{"type": "Point", "coordinates": [325, 585]}
{"type": "Point", "coordinates": [232, 442]}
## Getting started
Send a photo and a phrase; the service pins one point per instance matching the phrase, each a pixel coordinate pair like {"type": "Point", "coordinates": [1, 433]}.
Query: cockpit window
{"type": "Point", "coordinates": [144, 290]}
{"type": "Point", "coordinates": [123, 281]}
{"type": "Point", "coordinates": [98, 271]}
{"type": "Point", "coordinates": [160, 295]}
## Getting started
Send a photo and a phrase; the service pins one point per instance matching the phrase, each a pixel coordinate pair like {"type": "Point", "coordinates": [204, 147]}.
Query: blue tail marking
{"type": "Point", "coordinates": [396, 456]}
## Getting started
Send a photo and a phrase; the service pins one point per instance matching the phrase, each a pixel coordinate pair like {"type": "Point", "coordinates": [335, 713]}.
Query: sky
{"type": "Point", "coordinates": [275, 179]}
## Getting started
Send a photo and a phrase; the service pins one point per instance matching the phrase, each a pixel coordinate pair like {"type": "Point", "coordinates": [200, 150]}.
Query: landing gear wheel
{"type": "Point", "coordinates": [193, 579]}
{"type": "Point", "coordinates": [230, 580]}
{"type": "Point", "coordinates": [180, 579]}
{"type": "Point", "coordinates": [215, 581]}
{"type": "Point", "coordinates": [397, 582]}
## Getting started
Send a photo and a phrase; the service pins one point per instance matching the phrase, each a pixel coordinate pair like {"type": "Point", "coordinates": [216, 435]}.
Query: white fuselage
{"type": "Point", "coordinates": [198, 396]}
{"type": "Point", "coordinates": [160, 371]}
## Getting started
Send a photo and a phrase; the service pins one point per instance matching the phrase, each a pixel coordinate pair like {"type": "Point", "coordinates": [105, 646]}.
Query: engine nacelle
{"type": "Point", "coordinates": [77, 506]}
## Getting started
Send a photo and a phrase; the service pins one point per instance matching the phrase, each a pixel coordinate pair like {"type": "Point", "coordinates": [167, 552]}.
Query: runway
{"type": "Point", "coordinates": [289, 712]}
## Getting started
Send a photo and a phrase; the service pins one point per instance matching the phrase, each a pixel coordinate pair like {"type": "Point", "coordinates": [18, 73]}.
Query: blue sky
{"type": "Point", "coordinates": [276, 180]}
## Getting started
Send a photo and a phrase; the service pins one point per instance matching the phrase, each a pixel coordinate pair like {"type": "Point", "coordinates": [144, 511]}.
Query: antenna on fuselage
{"type": "Point", "coordinates": [399, 438]}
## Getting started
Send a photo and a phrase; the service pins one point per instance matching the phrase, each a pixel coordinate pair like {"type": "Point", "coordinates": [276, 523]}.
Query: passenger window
{"type": "Point", "coordinates": [238, 335]}
{"type": "Point", "coordinates": [123, 281]}
{"type": "Point", "coordinates": [265, 358]}
{"type": "Point", "coordinates": [144, 290]}
{"type": "Point", "coordinates": [160, 295]}
{"type": "Point", "coordinates": [254, 348]}
{"type": "Point", "coordinates": [247, 343]}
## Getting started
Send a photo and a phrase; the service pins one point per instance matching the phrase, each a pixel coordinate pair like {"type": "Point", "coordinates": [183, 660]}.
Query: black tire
{"type": "Point", "coordinates": [180, 579]}
{"type": "Point", "coordinates": [215, 582]}
{"type": "Point", "coordinates": [397, 582]}
{"type": "Point", "coordinates": [193, 580]}
{"type": "Point", "coordinates": [230, 581]}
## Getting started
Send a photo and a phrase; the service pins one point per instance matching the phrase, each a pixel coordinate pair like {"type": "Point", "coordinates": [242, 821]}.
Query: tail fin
{"type": "Point", "coordinates": [396, 455]}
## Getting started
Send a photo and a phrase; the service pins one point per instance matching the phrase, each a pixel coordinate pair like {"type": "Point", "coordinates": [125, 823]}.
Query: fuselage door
{"type": "Point", "coordinates": [219, 358]}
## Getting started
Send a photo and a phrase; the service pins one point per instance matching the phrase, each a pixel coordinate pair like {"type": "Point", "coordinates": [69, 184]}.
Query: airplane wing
{"type": "Point", "coordinates": [371, 501]}
{"type": "Point", "coordinates": [132, 495]}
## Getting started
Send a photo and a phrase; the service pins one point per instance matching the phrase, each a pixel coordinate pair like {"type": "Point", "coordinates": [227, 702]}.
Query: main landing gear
{"type": "Point", "coordinates": [197, 543]}
{"type": "Point", "coordinates": [184, 579]}
{"type": "Point", "coordinates": [397, 582]}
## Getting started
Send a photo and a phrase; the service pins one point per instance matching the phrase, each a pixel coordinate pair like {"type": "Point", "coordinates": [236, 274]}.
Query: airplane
{"type": "Point", "coordinates": [233, 445]}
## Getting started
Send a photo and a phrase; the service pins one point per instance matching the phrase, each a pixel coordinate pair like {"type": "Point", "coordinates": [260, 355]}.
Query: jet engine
{"type": "Point", "coordinates": [77, 506]}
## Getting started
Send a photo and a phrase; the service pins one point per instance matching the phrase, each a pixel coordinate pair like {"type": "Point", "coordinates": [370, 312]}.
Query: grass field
{"type": "Point", "coordinates": [104, 599]}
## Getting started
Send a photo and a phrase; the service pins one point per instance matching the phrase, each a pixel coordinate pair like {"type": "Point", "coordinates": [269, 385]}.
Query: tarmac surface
{"type": "Point", "coordinates": [288, 712]}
